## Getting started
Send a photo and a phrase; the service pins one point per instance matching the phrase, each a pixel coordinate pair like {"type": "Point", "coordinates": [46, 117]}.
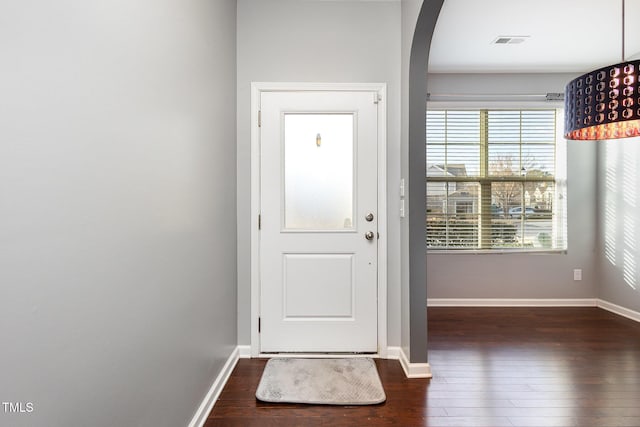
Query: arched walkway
{"type": "Point", "coordinates": [417, 172]}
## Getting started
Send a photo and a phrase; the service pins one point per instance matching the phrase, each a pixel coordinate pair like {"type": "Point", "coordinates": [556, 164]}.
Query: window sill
{"type": "Point", "coordinates": [497, 252]}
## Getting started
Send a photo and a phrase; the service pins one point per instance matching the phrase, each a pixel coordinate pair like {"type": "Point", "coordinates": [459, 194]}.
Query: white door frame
{"type": "Point", "coordinates": [381, 89]}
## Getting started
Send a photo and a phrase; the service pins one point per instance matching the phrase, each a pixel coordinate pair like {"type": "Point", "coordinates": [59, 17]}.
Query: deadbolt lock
{"type": "Point", "coordinates": [369, 217]}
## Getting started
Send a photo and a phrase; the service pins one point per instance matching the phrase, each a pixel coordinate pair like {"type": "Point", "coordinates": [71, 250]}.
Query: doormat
{"type": "Point", "coordinates": [352, 381]}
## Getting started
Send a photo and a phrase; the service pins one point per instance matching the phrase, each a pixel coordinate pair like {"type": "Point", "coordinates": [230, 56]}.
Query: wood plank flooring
{"type": "Point", "coordinates": [492, 367]}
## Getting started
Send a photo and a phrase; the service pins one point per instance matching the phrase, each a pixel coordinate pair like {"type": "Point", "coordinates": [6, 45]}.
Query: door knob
{"type": "Point", "coordinates": [369, 235]}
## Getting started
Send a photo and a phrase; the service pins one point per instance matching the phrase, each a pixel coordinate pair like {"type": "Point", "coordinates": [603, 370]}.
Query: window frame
{"type": "Point", "coordinates": [559, 179]}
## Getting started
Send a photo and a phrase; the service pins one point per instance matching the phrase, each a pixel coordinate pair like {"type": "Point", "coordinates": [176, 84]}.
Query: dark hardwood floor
{"type": "Point", "coordinates": [492, 367]}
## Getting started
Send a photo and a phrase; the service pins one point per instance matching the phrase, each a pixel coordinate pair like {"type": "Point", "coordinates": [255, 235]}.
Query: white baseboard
{"type": "Point", "coordinates": [625, 312]}
{"type": "Point", "coordinates": [244, 351]}
{"type": "Point", "coordinates": [506, 302]}
{"type": "Point", "coordinates": [411, 370]}
{"type": "Point", "coordinates": [393, 353]}
{"type": "Point", "coordinates": [511, 302]}
{"type": "Point", "coordinates": [210, 399]}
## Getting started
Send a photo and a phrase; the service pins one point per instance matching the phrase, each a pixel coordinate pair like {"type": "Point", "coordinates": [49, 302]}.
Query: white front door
{"type": "Point", "coordinates": [318, 237]}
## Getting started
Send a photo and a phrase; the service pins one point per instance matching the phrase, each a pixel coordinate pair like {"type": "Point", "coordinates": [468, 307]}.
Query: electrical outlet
{"type": "Point", "coordinates": [577, 274]}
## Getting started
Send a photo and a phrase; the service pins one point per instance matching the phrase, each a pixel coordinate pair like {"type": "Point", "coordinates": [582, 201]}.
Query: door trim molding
{"type": "Point", "coordinates": [256, 89]}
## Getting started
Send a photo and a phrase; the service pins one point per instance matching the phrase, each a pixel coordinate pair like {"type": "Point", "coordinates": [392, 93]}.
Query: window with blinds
{"type": "Point", "coordinates": [495, 180]}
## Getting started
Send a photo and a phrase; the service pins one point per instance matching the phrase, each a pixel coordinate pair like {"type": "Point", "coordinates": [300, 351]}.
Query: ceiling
{"type": "Point", "coordinates": [563, 35]}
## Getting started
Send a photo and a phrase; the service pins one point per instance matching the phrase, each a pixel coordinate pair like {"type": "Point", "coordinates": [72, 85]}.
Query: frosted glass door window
{"type": "Point", "coordinates": [318, 171]}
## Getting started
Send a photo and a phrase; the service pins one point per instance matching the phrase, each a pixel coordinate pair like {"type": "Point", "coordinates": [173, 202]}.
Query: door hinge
{"type": "Point", "coordinates": [259, 324]}
{"type": "Point", "coordinates": [377, 98]}
{"type": "Point", "coordinates": [259, 221]}
{"type": "Point", "coordinates": [259, 118]}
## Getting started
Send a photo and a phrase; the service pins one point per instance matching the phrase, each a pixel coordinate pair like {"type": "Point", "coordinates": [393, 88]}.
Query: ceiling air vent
{"type": "Point", "coordinates": [510, 39]}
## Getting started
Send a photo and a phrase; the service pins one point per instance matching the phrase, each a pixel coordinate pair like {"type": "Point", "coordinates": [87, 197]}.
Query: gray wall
{"type": "Point", "coordinates": [117, 206]}
{"type": "Point", "coordinates": [318, 41]}
{"type": "Point", "coordinates": [523, 275]}
{"type": "Point", "coordinates": [618, 256]}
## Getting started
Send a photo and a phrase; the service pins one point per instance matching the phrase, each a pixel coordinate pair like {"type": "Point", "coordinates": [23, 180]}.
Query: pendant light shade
{"type": "Point", "coordinates": [604, 104]}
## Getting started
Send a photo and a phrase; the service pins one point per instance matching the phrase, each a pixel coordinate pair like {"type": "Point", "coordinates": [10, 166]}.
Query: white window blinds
{"type": "Point", "coordinates": [495, 180]}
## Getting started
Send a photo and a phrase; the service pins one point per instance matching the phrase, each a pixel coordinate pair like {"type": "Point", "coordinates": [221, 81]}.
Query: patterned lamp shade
{"type": "Point", "coordinates": [604, 104]}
